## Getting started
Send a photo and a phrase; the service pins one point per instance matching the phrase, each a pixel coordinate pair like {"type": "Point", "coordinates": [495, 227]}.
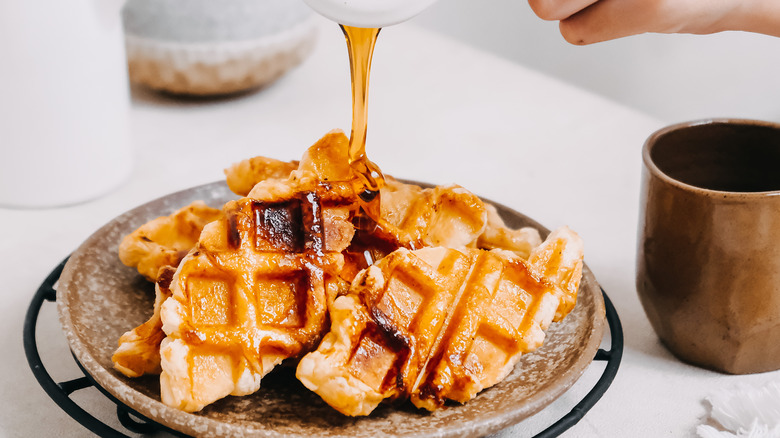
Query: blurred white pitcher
{"type": "Point", "coordinates": [64, 101]}
{"type": "Point", "coordinates": [369, 13]}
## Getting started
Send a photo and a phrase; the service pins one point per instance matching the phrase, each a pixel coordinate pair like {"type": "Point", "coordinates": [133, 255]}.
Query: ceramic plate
{"type": "Point", "coordinates": [99, 299]}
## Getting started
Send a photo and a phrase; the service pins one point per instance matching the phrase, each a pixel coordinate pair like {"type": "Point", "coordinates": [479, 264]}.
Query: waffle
{"type": "Point", "coordinates": [442, 216]}
{"type": "Point", "coordinates": [412, 217]}
{"type": "Point", "coordinates": [497, 235]}
{"type": "Point", "coordinates": [559, 260]}
{"type": "Point", "coordinates": [166, 240]}
{"type": "Point", "coordinates": [439, 323]}
{"type": "Point", "coordinates": [244, 175]}
{"type": "Point", "coordinates": [139, 349]}
{"type": "Point", "coordinates": [448, 216]}
{"type": "Point", "coordinates": [254, 291]}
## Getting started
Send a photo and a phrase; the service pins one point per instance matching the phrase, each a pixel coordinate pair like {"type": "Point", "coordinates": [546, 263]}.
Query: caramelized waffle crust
{"type": "Point", "coordinates": [164, 241]}
{"type": "Point", "coordinates": [241, 177]}
{"type": "Point", "coordinates": [139, 349]}
{"type": "Point", "coordinates": [254, 292]}
{"type": "Point", "coordinates": [440, 323]}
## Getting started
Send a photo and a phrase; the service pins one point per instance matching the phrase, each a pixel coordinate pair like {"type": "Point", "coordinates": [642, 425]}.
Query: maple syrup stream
{"type": "Point", "coordinates": [369, 179]}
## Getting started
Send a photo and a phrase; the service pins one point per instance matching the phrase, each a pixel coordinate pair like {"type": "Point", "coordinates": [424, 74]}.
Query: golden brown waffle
{"type": "Point", "coordinates": [412, 217]}
{"type": "Point", "coordinates": [242, 176]}
{"type": "Point", "coordinates": [437, 324]}
{"type": "Point", "coordinates": [166, 240]}
{"type": "Point", "coordinates": [442, 216]}
{"type": "Point", "coordinates": [163, 242]}
{"type": "Point", "coordinates": [559, 260]}
{"type": "Point", "coordinates": [497, 235]}
{"type": "Point", "coordinates": [254, 292]}
{"type": "Point", "coordinates": [139, 349]}
{"type": "Point", "coordinates": [449, 216]}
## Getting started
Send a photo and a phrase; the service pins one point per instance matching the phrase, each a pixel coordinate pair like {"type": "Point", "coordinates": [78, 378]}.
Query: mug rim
{"type": "Point", "coordinates": [657, 172]}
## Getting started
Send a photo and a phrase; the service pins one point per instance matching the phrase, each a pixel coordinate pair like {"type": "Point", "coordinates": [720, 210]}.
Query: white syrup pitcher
{"type": "Point", "coordinates": [369, 13]}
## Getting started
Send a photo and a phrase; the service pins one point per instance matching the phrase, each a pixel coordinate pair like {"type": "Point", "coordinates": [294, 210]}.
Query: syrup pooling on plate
{"type": "Point", "coordinates": [369, 179]}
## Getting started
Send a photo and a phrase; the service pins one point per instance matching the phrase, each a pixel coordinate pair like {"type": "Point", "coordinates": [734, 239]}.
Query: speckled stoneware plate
{"type": "Point", "coordinates": [99, 299]}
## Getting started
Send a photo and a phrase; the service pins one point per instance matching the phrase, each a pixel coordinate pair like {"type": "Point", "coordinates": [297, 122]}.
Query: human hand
{"type": "Point", "coordinates": [591, 21]}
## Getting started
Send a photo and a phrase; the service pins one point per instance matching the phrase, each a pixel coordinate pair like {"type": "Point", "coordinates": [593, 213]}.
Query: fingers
{"type": "Point", "coordinates": [554, 10]}
{"type": "Point", "coordinates": [611, 19]}
{"type": "Point", "coordinates": [592, 21]}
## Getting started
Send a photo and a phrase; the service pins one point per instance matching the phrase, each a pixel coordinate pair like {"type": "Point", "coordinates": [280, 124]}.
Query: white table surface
{"type": "Point", "coordinates": [439, 111]}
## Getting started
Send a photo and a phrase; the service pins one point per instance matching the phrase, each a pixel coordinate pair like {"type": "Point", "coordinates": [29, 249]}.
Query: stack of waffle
{"type": "Point", "coordinates": [434, 300]}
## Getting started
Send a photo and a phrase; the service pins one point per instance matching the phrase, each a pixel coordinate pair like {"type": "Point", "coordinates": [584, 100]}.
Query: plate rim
{"type": "Point", "coordinates": [167, 416]}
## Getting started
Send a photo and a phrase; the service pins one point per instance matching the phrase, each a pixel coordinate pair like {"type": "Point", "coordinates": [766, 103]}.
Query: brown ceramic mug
{"type": "Point", "coordinates": [708, 265]}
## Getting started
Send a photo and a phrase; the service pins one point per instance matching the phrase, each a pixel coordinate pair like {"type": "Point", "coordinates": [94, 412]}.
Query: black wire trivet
{"type": "Point", "coordinates": [137, 423]}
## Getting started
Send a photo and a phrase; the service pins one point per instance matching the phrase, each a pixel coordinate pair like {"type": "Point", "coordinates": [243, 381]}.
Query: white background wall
{"type": "Point", "coordinates": [672, 77]}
